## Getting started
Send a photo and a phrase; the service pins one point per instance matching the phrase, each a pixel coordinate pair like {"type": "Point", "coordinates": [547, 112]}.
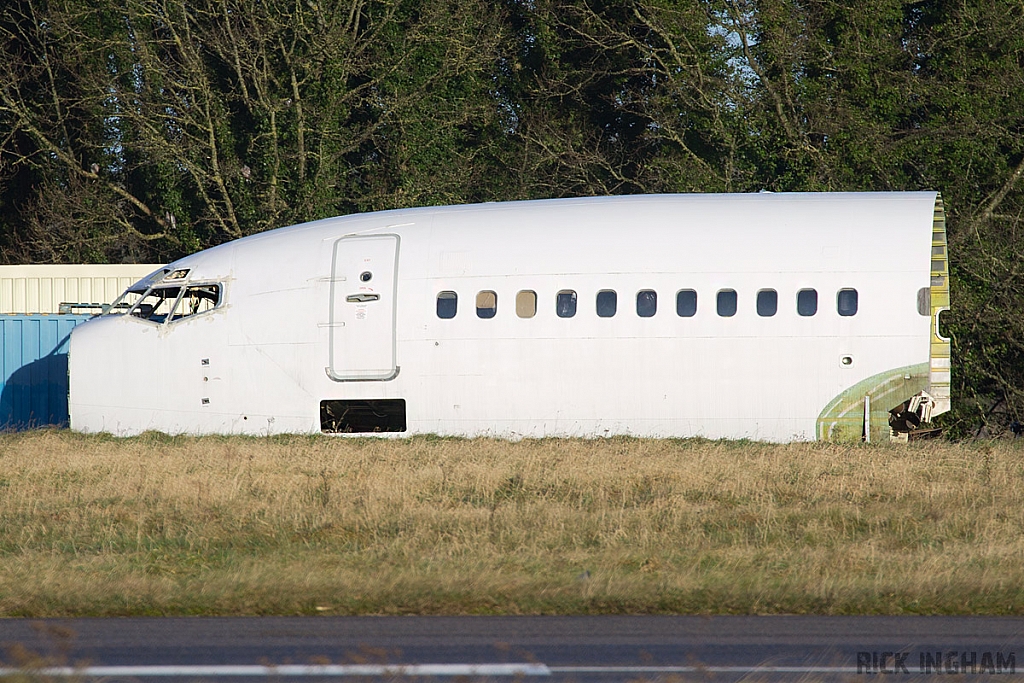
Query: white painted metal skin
{"type": "Point", "coordinates": [296, 325]}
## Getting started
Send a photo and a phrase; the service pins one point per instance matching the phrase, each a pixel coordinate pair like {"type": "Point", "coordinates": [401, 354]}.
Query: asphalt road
{"type": "Point", "coordinates": [627, 648]}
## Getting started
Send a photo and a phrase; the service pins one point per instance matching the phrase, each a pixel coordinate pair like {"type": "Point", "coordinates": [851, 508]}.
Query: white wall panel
{"type": "Point", "coordinates": [43, 288]}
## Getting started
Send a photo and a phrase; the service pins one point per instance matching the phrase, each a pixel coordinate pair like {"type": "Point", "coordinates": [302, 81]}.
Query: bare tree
{"type": "Point", "coordinates": [207, 121]}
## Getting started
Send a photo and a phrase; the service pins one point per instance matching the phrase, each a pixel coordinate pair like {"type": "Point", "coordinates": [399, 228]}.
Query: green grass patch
{"type": "Point", "coordinates": [159, 525]}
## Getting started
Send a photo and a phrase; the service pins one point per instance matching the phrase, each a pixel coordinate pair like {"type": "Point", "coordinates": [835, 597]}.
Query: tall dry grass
{"type": "Point", "coordinates": [159, 525]}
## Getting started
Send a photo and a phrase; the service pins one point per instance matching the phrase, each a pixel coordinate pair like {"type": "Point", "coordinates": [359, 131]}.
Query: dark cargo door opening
{"type": "Point", "coordinates": [362, 416]}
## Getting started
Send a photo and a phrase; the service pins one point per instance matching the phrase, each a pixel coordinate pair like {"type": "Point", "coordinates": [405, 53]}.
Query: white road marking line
{"type": "Point", "coordinates": [439, 670]}
{"type": "Point", "coordinates": [708, 669]}
{"type": "Point", "coordinates": [309, 670]}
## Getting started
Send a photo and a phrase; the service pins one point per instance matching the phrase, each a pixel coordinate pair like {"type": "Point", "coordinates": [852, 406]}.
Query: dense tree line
{"type": "Point", "coordinates": [147, 129]}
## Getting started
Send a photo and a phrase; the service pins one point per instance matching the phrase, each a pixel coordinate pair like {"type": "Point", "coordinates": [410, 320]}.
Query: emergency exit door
{"type": "Point", "coordinates": [364, 282]}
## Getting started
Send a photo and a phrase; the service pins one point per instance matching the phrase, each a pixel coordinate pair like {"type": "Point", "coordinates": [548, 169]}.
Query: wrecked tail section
{"type": "Point", "coordinates": [899, 404]}
{"type": "Point", "coordinates": [909, 420]}
{"type": "Point", "coordinates": [940, 369]}
{"type": "Point", "coordinates": [863, 412]}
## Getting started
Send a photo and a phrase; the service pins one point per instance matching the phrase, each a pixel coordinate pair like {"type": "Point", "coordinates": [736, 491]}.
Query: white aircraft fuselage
{"type": "Point", "coordinates": [768, 316]}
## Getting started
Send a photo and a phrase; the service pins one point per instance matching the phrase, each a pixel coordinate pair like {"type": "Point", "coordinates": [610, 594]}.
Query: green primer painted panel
{"type": "Point", "coordinates": [843, 418]}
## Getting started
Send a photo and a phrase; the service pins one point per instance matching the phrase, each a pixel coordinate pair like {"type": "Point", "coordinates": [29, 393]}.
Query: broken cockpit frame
{"type": "Point", "coordinates": [168, 298]}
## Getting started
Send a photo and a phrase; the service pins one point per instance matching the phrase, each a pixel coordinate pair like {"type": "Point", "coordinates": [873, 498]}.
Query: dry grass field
{"type": "Point", "coordinates": [161, 525]}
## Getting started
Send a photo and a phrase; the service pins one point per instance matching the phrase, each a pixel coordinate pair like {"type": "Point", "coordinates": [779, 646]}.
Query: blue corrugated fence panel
{"type": "Point", "coordinates": [41, 400]}
{"type": "Point", "coordinates": [59, 394]}
{"type": "Point", "coordinates": [11, 359]}
{"type": "Point", "coordinates": [34, 357]}
{"type": "Point", "coordinates": [38, 390]}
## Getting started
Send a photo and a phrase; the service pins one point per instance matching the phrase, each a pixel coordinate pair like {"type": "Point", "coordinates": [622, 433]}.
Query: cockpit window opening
{"type": "Point", "coordinates": [156, 304]}
{"type": "Point", "coordinates": [124, 303]}
{"type": "Point", "coordinates": [160, 304]}
{"type": "Point", "coordinates": [196, 299]}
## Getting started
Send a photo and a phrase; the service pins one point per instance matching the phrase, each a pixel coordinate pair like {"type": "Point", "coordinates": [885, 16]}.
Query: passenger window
{"type": "Point", "coordinates": [646, 303]}
{"type": "Point", "coordinates": [846, 302]}
{"type": "Point", "coordinates": [727, 303]}
{"type": "Point", "coordinates": [526, 304]}
{"type": "Point", "coordinates": [807, 302]}
{"type": "Point", "coordinates": [565, 303]}
{"type": "Point", "coordinates": [447, 304]}
{"type": "Point", "coordinates": [156, 304]}
{"type": "Point", "coordinates": [486, 304]}
{"type": "Point", "coordinates": [196, 299]}
{"type": "Point", "coordinates": [767, 303]}
{"type": "Point", "coordinates": [924, 301]}
{"type": "Point", "coordinates": [607, 302]}
{"type": "Point", "coordinates": [686, 303]}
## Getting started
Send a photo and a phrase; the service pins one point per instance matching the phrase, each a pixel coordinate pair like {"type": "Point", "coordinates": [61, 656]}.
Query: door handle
{"type": "Point", "coordinates": [361, 298]}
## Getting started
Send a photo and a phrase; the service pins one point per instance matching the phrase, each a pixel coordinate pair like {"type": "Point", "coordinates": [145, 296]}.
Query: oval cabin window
{"type": "Point", "coordinates": [526, 304]}
{"type": "Point", "coordinates": [924, 301]}
{"type": "Point", "coordinates": [686, 303]}
{"type": "Point", "coordinates": [607, 303]}
{"type": "Point", "coordinates": [767, 303]}
{"type": "Point", "coordinates": [846, 302]}
{"type": "Point", "coordinates": [646, 303]}
{"type": "Point", "coordinates": [486, 304]}
{"type": "Point", "coordinates": [447, 304]}
{"type": "Point", "coordinates": [807, 302]}
{"type": "Point", "coordinates": [727, 303]}
{"type": "Point", "coordinates": [565, 303]}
